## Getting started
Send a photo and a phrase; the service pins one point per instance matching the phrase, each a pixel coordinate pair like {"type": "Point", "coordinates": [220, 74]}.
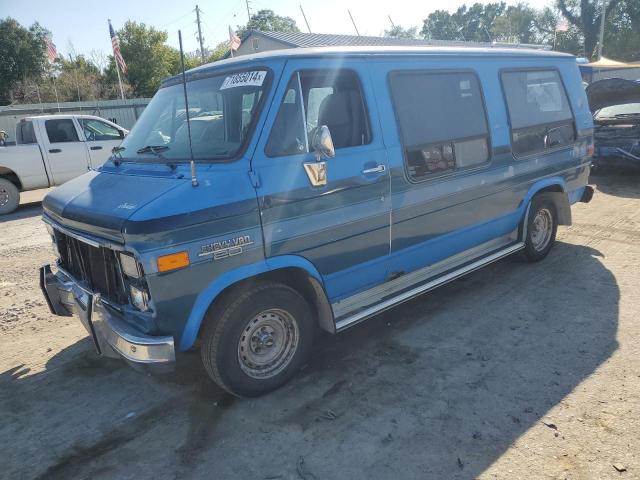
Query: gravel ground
{"type": "Point", "coordinates": [516, 371]}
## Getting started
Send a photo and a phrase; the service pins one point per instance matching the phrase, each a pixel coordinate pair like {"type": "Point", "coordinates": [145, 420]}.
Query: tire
{"type": "Point", "coordinates": [256, 339]}
{"type": "Point", "coordinates": [9, 196]}
{"type": "Point", "coordinates": [542, 225]}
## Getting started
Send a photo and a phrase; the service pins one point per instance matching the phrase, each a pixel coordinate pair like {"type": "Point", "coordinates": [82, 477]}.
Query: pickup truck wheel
{"type": "Point", "coordinates": [9, 196]}
{"type": "Point", "coordinates": [255, 341]}
{"type": "Point", "coordinates": [542, 226]}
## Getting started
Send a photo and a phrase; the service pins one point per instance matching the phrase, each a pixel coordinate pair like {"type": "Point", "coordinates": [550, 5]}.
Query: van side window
{"type": "Point", "coordinates": [25, 133]}
{"type": "Point", "coordinates": [315, 98]}
{"type": "Point", "coordinates": [61, 131]}
{"type": "Point", "coordinates": [539, 111]}
{"type": "Point", "coordinates": [442, 121]}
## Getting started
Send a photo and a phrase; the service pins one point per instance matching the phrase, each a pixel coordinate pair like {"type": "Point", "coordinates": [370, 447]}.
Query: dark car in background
{"type": "Point", "coordinates": [615, 103]}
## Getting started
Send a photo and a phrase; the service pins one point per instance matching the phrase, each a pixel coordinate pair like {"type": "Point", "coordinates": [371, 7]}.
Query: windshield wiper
{"type": "Point", "coordinates": [155, 149]}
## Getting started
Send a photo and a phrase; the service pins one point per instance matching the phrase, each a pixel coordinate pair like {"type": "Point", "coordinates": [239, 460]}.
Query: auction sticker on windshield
{"type": "Point", "coordinates": [244, 79]}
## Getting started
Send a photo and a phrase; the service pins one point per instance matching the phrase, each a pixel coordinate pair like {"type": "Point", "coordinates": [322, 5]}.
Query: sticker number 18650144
{"type": "Point", "coordinates": [245, 79]}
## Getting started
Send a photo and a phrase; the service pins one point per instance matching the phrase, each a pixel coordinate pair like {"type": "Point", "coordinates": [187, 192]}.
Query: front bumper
{"type": "Point", "coordinates": [112, 336]}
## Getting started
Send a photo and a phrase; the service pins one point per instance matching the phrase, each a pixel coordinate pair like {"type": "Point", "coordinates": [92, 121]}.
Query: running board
{"type": "Point", "coordinates": [349, 321]}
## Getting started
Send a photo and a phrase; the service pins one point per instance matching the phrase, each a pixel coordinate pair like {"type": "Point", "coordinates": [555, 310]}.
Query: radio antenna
{"type": "Point", "coordinates": [194, 180]}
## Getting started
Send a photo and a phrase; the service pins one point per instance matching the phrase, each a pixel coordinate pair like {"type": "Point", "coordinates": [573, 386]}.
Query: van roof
{"type": "Point", "coordinates": [370, 51]}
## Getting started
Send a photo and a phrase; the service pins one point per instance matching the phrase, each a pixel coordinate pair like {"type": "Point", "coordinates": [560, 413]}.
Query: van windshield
{"type": "Point", "coordinates": [222, 111]}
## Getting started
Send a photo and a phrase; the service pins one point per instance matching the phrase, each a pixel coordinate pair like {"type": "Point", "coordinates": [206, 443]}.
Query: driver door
{"type": "Point", "coordinates": [342, 226]}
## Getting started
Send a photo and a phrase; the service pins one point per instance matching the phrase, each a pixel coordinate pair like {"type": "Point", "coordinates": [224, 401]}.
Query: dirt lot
{"type": "Point", "coordinates": [517, 371]}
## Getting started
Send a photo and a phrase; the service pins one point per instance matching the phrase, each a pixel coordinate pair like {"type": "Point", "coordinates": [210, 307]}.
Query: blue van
{"type": "Point", "coordinates": [311, 189]}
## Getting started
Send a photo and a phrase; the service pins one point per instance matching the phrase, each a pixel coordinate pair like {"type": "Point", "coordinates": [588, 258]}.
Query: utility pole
{"type": "Point", "coordinates": [601, 43]}
{"type": "Point", "coordinates": [305, 19]}
{"type": "Point", "coordinates": [199, 33]}
{"type": "Point", "coordinates": [248, 11]}
{"type": "Point", "coordinates": [354, 23]}
{"type": "Point", "coordinates": [391, 21]}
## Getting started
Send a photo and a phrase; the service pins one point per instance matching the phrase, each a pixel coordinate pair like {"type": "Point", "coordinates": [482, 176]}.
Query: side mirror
{"type": "Point", "coordinates": [123, 133]}
{"type": "Point", "coordinates": [322, 143]}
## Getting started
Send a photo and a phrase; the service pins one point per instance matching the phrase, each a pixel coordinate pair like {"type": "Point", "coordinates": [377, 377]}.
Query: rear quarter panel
{"type": "Point", "coordinates": [26, 162]}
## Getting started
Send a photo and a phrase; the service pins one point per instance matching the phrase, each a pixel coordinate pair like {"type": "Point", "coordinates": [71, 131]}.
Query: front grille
{"type": "Point", "coordinates": [96, 267]}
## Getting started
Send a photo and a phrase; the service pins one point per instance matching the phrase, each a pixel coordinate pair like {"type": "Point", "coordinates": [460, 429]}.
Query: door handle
{"type": "Point", "coordinates": [96, 148]}
{"type": "Point", "coordinates": [378, 169]}
{"type": "Point", "coordinates": [55, 150]}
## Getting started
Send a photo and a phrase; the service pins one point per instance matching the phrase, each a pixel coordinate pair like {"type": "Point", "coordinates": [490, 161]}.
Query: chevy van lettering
{"type": "Point", "coordinates": [126, 206]}
{"type": "Point", "coordinates": [225, 248]}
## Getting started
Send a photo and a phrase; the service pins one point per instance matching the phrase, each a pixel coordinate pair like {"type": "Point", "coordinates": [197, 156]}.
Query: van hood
{"type": "Point", "coordinates": [612, 91]}
{"type": "Point", "coordinates": [100, 203]}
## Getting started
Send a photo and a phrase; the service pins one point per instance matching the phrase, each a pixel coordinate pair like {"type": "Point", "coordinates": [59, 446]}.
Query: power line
{"type": "Point", "coordinates": [175, 20]}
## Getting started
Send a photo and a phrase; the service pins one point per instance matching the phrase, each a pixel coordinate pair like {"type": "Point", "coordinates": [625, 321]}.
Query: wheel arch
{"type": "Point", "coordinates": [11, 176]}
{"type": "Point", "coordinates": [555, 189]}
{"type": "Point", "coordinates": [294, 271]}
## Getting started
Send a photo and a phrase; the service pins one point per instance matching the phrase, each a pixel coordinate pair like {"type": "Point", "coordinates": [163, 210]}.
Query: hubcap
{"type": "Point", "coordinates": [268, 343]}
{"type": "Point", "coordinates": [4, 196]}
{"type": "Point", "coordinates": [542, 229]}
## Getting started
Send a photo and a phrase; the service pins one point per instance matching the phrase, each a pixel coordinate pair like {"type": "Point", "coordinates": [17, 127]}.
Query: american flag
{"type": "Point", "coordinates": [234, 40]}
{"type": "Point", "coordinates": [115, 43]}
{"type": "Point", "coordinates": [52, 53]}
{"type": "Point", "coordinates": [562, 25]}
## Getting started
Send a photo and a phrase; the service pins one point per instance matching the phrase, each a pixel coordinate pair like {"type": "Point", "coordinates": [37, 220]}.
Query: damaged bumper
{"type": "Point", "coordinates": [111, 336]}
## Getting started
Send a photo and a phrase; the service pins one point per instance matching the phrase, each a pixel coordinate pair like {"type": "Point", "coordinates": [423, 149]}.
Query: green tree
{"type": "Point", "coordinates": [218, 52]}
{"type": "Point", "coordinates": [517, 25]}
{"type": "Point", "coordinates": [545, 23]}
{"type": "Point", "coordinates": [23, 55]}
{"type": "Point", "coordinates": [398, 32]}
{"type": "Point", "coordinates": [475, 23]}
{"type": "Point", "coordinates": [440, 25]}
{"type": "Point", "coordinates": [148, 58]}
{"type": "Point", "coordinates": [622, 32]}
{"type": "Point", "coordinates": [586, 16]}
{"type": "Point", "coordinates": [268, 21]}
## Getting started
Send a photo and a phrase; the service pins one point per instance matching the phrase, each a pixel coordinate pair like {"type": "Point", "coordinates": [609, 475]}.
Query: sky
{"type": "Point", "coordinates": [81, 26]}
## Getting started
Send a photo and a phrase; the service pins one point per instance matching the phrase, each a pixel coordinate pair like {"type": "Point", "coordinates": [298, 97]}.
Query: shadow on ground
{"type": "Point", "coordinates": [25, 210]}
{"type": "Point", "coordinates": [439, 387]}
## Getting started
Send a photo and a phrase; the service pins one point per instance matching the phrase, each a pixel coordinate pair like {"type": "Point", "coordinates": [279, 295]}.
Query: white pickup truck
{"type": "Point", "coordinates": [51, 149]}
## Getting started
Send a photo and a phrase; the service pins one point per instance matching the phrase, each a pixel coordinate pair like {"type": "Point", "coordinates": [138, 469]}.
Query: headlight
{"type": "Point", "coordinates": [139, 299]}
{"type": "Point", "coordinates": [129, 265]}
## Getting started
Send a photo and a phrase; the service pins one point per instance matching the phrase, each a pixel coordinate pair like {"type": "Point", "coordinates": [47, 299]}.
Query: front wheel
{"type": "Point", "coordinates": [9, 196]}
{"type": "Point", "coordinates": [542, 225]}
{"type": "Point", "coordinates": [256, 341]}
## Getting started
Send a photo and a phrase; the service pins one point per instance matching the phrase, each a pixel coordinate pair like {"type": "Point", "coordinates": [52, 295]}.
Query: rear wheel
{"type": "Point", "coordinates": [542, 225]}
{"type": "Point", "coordinates": [257, 340]}
{"type": "Point", "coordinates": [9, 196]}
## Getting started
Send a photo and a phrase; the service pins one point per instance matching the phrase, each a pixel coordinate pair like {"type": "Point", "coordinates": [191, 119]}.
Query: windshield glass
{"type": "Point", "coordinates": [222, 110]}
{"type": "Point", "coordinates": [628, 109]}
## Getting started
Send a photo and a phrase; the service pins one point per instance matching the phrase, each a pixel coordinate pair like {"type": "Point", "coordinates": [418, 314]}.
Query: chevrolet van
{"type": "Point", "coordinates": [311, 189]}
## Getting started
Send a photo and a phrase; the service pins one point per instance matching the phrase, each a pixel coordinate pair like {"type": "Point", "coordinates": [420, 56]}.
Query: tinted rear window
{"type": "Point", "coordinates": [442, 121]}
{"type": "Point", "coordinates": [535, 98]}
{"type": "Point", "coordinates": [438, 106]}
